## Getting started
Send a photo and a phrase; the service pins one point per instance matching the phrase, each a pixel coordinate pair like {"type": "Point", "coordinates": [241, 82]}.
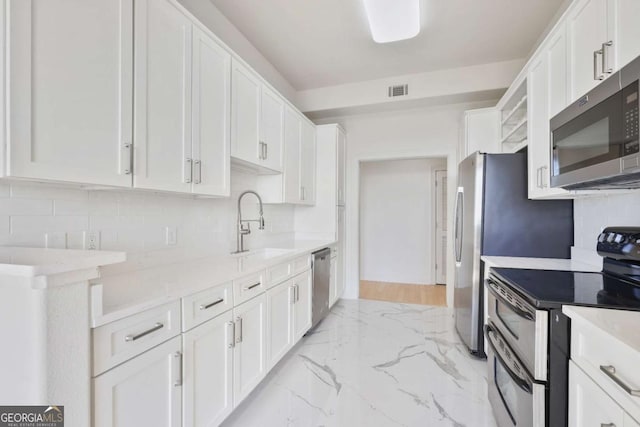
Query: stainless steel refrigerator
{"type": "Point", "coordinates": [493, 216]}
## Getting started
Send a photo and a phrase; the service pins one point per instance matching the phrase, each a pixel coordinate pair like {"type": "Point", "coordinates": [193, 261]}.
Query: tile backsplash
{"type": "Point", "coordinates": [592, 214]}
{"type": "Point", "coordinates": [44, 215]}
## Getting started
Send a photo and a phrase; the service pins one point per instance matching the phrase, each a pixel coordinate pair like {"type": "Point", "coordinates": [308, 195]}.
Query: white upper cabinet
{"type": "Point", "coordinates": [271, 129]}
{"type": "Point", "coordinates": [70, 87]}
{"type": "Point", "coordinates": [163, 155]}
{"type": "Point", "coordinates": [627, 30]}
{"type": "Point", "coordinates": [211, 96]}
{"type": "Point", "coordinates": [308, 163]}
{"type": "Point", "coordinates": [558, 71]}
{"type": "Point", "coordinates": [292, 136]}
{"type": "Point", "coordinates": [341, 165]}
{"type": "Point", "coordinates": [245, 114]}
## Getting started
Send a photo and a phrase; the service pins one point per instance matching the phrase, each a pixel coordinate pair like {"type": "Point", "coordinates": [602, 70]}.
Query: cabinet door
{"type": "Point", "coordinates": [302, 306]}
{"type": "Point", "coordinates": [211, 95]}
{"type": "Point", "coordinates": [482, 130]}
{"type": "Point", "coordinates": [342, 253]}
{"type": "Point", "coordinates": [279, 322]}
{"type": "Point", "coordinates": [70, 77]}
{"type": "Point", "coordinates": [630, 422]}
{"type": "Point", "coordinates": [558, 75]}
{"type": "Point", "coordinates": [208, 372]}
{"type": "Point", "coordinates": [589, 405]}
{"type": "Point", "coordinates": [292, 136]}
{"type": "Point", "coordinates": [249, 356]}
{"type": "Point", "coordinates": [627, 31]}
{"type": "Point", "coordinates": [272, 128]}
{"type": "Point", "coordinates": [587, 28]}
{"type": "Point", "coordinates": [162, 115]}
{"type": "Point", "coordinates": [308, 163]}
{"type": "Point", "coordinates": [145, 391]}
{"type": "Point", "coordinates": [245, 114]}
{"type": "Point", "coordinates": [341, 162]}
{"type": "Point", "coordinates": [333, 283]}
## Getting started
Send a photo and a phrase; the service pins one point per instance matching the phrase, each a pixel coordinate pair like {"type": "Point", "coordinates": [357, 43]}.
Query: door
{"type": "Point", "coordinates": [292, 136]}
{"type": "Point", "coordinates": [308, 163]}
{"type": "Point", "coordinates": [211, 96]}
{"type": "Point", "coordinates": [162, 116]}
{"type": "Point", "coordinates": [587, 28]}
{"type": "Point", "coordinates": [208, 372]}
{"type": "Point", "coordinates": [341, 153]}
{"type": "Point", "coordinates": [271, 129]}
{"type": "Point", "coordinates": [589, 405]}
{"type": "Point", "coordinates": [441, 226]}
{"type": "Point", "coordinates": [558, 76]}
{"type": "Point", "coordinates": [70, 88]}
{"type": "Point", "coordinates": [245, 114]}
{"type": "Point", "coordinates": [302, 306]}
{"type": "Point", "coordinates": [280, 319]}
{"type": "Point", "coordinates": [145, 391]}
{"type": "Point", "coordinates": [467, 224]}
{"type": "Point", "coordinates": [538, 128]}
{"type": "Point", "coordinates": [249, 357]}
{"type": "Point", "coordinates": [627, 30]}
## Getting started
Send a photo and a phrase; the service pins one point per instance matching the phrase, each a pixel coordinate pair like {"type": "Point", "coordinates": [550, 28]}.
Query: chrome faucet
{"type": "Point", "coordinates": [244, 226]}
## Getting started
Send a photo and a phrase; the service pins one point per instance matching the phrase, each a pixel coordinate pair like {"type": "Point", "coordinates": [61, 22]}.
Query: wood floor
{"type": "Point", "coordinates": [403, 292]}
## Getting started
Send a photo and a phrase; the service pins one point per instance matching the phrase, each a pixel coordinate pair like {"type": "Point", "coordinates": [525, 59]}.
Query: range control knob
{"type": "Point", "coordinates": [603, 236]}
{"type": "Point", "coordinates": [618, 238]}
{"type": "Point", "coordinates": [610, 237]}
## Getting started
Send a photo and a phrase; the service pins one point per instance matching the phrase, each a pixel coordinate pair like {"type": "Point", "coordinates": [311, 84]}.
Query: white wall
{"type": "Point", "coordinates": [135, 222]}
{"type": "Point", "coordinates": [430, 132]}
{"type": "Point", "coordinates": [397, 224]}
{"type": "Point", "coordinates": [592, 214]}
{"type": "Point", "coordinates": [211, 16]}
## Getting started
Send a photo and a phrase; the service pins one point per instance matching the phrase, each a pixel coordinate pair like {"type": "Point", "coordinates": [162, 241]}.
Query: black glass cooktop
{"type": "Point", "coordinates": [552, 289]}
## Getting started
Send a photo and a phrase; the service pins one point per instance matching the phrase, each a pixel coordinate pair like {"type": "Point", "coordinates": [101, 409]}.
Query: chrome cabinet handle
{"type": "Point", "coordinates": [156, 327]}
{"type": "Point", "coordinates": [127, 161]}
{"type": "Point", "coordinates": [538, 178]}
{"type": "Point", "coordinates": [607, 425]}
{"type": "Point", "coordinates": [596, 76]}
{"type": "Point", "coordinates": [211, 304]}
{"type": "Point", "coordinates": [266, 151]}
{"type": "Point", "coordinates": [610, 371]}
{"type": "Point", "coordinates": [248, 288]}
{"type": "Point", "coordinates": [188, 171]}
{"type": "Point", "coordinates": [177, 360]}
{"type": "Point", "coordinates": [297, 293]}
{"type": "Point", "coordinates": [605, 57]}
{"type": "Point", "coordinates": [292, 289]}
{"type": "Point", "coordinates": [231, 334]}
{"type": "Point", "coordinates": [197, 172]}
{"type": "Point", "coordinates": [238, 329]}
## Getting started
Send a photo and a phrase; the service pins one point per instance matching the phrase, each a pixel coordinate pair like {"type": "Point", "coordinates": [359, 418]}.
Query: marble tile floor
{"type": "Point", "coordinates": [374, 363]}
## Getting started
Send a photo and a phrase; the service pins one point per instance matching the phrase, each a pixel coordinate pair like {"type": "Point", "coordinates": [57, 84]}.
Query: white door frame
{"type": "Point", "coordinates": [438, 227]}
{"type": "Point", "coordinates": [352, 229]}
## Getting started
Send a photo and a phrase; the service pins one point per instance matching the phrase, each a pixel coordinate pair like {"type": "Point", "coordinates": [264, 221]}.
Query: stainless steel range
{"type": "Point", "coordinates": [528, 336]}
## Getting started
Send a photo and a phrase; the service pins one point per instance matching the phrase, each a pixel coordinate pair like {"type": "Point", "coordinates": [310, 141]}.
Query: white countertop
{"type": "Point", "coordinates": [121, 295]}
{"type": "Point", "coordinates": [621, 324]}
{"type": "Point", "coordinates": [539, 263]}
{"type": "Point", "coordinates": [36, 262]}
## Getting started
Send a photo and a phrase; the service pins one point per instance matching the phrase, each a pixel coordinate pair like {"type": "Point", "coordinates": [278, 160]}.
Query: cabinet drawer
{"type": "Point", "coordinates": [247, 287]}
{"type": "Point", "coordinates": [589, 405]}
{"type": "Point", "coordinates": [123, 339]}
{"type": "Point", "coordinates": [206, 305]}
{"type": "Point", "coordinates": [300, 264]}
{"type": "Point", "coordinates": [629, 422]}
{"type": "Point", "coordinates": [278, 274]}
{"type": "Point", "coordinates": [596, 352]}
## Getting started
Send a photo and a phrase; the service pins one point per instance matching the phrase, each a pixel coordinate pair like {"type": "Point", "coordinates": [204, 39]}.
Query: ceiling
{"type": "Point", "coordinates": [318, 43]}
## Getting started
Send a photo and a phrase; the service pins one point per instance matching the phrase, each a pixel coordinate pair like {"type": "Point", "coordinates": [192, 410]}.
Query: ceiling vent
{"type": "Point", "coordinates": [399, 90]}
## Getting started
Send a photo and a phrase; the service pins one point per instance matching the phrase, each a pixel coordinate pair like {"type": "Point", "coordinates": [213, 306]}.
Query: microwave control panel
{"type": "Point", "coordinates": [631, 118]}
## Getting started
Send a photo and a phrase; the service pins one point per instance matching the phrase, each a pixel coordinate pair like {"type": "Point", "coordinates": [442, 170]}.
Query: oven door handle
{"type": "Point", "coordinates": [524, 383]}
{"type": "Point", "coordinates": [495, 290]}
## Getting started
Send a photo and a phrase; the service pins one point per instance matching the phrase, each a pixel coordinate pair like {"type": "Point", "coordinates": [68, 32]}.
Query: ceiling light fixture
{"type": "Point", "coordinates": [393, 20]}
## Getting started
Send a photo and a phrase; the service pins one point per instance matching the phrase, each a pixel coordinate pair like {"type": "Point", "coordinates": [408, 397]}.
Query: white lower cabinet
{"type": "Point", "coordinates": [302, 305]}
{"type": "Point", "coordinates": [589, 405]}
{"type": "Point", "coordinates": [280, 301]}
{"type": "Point", "coordinates": [333, 281]}
{"type": "Point", "coordinates": [249, 355]}
{"type": "Point", "coordinates": [208, 372]}
{"type": "Point", "coordinates": [144, 391]}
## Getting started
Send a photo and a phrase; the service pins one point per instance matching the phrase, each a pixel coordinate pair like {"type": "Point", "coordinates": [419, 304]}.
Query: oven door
{"type": "Point", "coordinates": [524, 328]}
{"type": "Point", "coordinates": [588, 145]}
{"type": "Point", "coordinates": [516, 400]}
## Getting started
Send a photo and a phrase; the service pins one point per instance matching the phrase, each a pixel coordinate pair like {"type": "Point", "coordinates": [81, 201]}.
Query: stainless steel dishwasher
{"type": "Point", "coordinates": [321, 265]}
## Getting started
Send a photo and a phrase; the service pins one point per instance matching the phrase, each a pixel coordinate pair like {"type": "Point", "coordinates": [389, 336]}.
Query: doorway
{"type": "Point", "coordinates": [403, 230]}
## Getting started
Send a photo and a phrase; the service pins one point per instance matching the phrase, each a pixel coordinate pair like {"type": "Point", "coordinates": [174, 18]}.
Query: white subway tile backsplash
{"type": "Point", "coordinates": [71, 207]}
{"type": "Point", "coordinates": [25, 207]}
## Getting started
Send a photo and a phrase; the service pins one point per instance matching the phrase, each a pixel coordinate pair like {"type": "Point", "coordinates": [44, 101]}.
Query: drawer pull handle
{"type": "Point", "coordinates": [207, 306]}
{"type": "Point", "coordinates": [610, 371]}
{"type": "Point", "coordinates": [248, 288]}
{"type": "Point", "coordinates": [607, 425]}
{"type": "Point", "coordinates": [156, 327]}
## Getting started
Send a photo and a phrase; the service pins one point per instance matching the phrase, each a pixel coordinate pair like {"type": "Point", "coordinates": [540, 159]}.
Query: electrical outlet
{"type": "Point", "coordinates": [171, 236]}
{"type": "Point", "coordinates": [92, 240]}
{"type": "Point", "coordinates": [56, 240]}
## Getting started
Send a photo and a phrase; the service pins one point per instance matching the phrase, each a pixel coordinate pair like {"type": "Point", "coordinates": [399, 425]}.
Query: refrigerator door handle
{"type": "Point", "coordinates": [458, 226]}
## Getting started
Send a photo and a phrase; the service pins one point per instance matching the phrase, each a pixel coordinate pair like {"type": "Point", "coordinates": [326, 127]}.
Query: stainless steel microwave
{"type": "Point", "coordinates": [595, 139]}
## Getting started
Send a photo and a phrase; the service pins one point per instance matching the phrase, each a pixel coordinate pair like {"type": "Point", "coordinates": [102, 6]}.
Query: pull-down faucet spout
{"type": "Point", "coordinates": [243, 226]}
